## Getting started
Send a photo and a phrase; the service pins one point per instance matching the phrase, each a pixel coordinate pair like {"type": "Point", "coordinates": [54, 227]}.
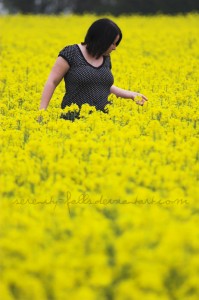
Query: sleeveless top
{"type": "Point", "coordinates": [85, 83]}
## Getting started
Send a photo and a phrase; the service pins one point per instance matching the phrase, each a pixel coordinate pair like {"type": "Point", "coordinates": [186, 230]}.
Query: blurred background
{"type": "Point", "coordinates": [114, 7]}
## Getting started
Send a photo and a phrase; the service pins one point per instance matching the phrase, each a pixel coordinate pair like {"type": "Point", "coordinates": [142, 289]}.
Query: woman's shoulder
{"type": "Point", "coordinates": [108, 61]}
{"type": "Point", "coordinates": [68, 53]}
{"type": "Point", "coordinates": [69, 48]}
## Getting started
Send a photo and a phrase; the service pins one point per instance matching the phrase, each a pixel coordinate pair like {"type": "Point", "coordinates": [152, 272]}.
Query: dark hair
{"type": "Point", "coordinates": [100, 36]}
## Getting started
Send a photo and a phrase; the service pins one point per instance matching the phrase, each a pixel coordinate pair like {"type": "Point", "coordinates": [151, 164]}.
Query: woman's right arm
{"type": "Point", "coordinates": [58, 71]}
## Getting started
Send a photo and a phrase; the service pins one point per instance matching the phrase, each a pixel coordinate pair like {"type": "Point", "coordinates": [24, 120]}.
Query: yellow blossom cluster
{"type": "Point", "coordinates": [105, 207]}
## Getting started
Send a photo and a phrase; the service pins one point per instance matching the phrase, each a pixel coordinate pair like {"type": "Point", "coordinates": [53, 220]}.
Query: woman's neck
{"type": "Point", "coordinates": [96, 62]}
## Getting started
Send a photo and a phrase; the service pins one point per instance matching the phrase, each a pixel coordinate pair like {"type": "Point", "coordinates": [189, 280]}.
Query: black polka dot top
{"type": "Point", "coordinates": [85, 83]}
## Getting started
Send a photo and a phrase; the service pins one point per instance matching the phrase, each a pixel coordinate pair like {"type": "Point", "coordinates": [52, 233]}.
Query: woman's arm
{"type": "Point", "coordinates": [127, 94]}
{"type": "Point", "coordinates": [59, 69]}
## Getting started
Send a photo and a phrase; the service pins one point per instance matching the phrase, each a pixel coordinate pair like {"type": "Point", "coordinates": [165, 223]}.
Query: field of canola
{"type": "Point", "coordinates": [106, 207]}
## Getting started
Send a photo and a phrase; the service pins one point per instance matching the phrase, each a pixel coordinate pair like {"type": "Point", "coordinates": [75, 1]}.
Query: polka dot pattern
{"type": "Point", "coordinates": [85, 83]}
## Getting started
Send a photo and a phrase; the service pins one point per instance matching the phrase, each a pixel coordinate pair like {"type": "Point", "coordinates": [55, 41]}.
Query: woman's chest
{"type": "Point", "coordinates": [85, 74]}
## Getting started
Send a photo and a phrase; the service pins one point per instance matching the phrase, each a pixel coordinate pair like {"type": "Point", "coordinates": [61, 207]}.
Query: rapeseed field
{"type": "Point", "coordinates": [105, 207]}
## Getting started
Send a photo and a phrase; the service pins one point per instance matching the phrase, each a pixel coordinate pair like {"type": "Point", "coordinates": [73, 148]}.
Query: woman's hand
{"type": "Point", "coordinates": [141, 99]}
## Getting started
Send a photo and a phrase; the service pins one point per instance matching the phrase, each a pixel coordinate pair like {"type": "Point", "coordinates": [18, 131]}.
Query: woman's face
{"type": "Point", "coordinates": [112, 46]}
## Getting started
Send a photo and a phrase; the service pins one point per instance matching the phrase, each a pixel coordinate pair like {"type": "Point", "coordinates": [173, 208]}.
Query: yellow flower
{"type": "Point", "coordinates": [105, 206]}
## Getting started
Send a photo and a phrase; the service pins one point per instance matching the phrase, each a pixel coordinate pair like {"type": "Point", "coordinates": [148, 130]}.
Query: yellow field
{"type": "Point", "coordinates": [106, 207]}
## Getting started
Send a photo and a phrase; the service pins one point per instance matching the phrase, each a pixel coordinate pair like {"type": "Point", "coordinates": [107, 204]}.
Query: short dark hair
{"type": "Point", "coordinates": [100, 36]}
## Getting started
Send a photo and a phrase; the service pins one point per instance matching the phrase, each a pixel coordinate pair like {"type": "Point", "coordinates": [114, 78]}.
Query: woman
{"type": "Point", "coordinates": [86, 69]}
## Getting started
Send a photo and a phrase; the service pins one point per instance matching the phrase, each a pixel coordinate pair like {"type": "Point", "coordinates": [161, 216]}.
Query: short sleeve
{"type": "Point", "coordinates": [67, 54]}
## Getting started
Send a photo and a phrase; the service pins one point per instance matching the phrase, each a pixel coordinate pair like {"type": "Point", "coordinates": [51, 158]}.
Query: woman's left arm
{"type": "Point", "coordinates": [127, 94]}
